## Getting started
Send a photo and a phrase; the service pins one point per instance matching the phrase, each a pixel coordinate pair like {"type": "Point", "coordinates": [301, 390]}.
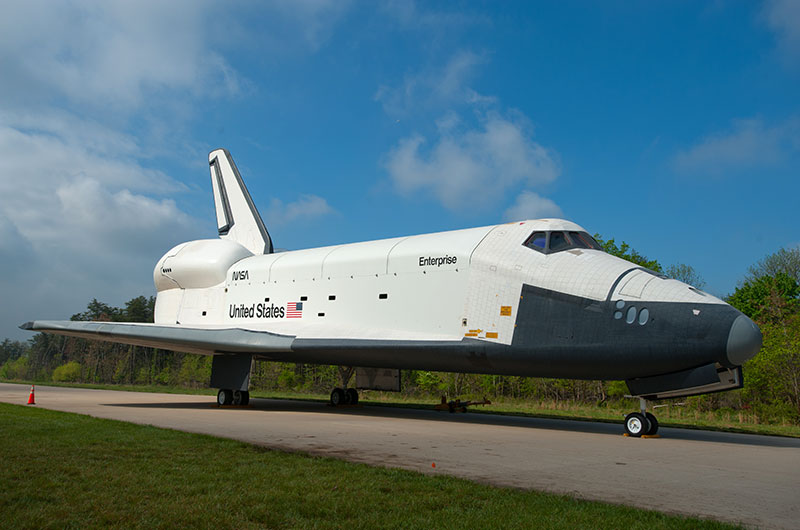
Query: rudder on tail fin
{"type": "Point", "coordinates": [237, 216]}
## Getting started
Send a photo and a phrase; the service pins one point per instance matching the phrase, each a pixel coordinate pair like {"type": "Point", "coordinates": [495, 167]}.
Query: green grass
{"type": "Point", "coordinates": [62, 470]}
{"type": "Point", "coordinates": [614, 412]}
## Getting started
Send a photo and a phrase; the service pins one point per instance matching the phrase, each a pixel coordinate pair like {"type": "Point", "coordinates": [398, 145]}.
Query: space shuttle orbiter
{"type": "Point", "coordinates": [528, 298]}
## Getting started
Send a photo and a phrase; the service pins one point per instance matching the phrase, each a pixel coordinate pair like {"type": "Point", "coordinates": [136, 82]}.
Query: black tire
{"type": "Point", "coordinates": [337, 397]}
{"type": "Point", "coordinates": [653, 424]}
{"type": "Point", "coordinates": [237, 397]}
{"type": "Point", "coordinates": [224, 397]}
{"type": "Point", "coordinates": [245, 397]}
{"type": "Point", "coordinates": [351, 396]}
{"type": "Point", "coordinates": [636, 424]}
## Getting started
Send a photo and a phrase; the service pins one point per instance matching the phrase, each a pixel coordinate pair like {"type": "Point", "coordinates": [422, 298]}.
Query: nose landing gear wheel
{"type": "Point", "coordinates": [653, 424]}
{"type": "Point", "coordinates": [641, 423]}
{"type": "Point", "coordinates": [351, 396]}
{"type": "Point", "coordinates": [637, 424]}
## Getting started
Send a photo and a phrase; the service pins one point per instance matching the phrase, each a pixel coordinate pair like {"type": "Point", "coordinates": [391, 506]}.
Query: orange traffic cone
{"type": "Point", "coordinates": [31, 401]}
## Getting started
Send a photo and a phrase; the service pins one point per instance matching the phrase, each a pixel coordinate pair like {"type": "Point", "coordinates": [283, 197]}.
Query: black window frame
{"type": "Point", "coordinates": [568, 238]}
{"type": "Point", "coordinates": [534, 247]}
{"type": "Point", "coordinates": [567, 241]}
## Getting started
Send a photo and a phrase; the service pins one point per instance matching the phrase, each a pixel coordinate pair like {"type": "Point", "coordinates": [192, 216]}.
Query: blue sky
{"type": "Point", "coordinates": [674, 126]}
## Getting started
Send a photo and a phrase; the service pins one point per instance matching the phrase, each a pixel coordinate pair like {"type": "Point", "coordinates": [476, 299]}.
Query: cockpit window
{"type": "Point", "coordinates": [558, 241]}
{"type": "Point", "coordinates": [549, 242]}
{"type": "Point", "coordinates": [584, 240]}
{"type": "Point", "coordinates": [537, 241]}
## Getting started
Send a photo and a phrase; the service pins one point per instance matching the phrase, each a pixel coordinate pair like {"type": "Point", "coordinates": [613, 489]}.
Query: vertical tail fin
{"type": "Point", "coordinates": [237, 216]}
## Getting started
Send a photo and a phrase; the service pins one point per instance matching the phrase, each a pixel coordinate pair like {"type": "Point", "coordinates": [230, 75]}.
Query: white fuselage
{"type": "Point", "coordinates": [441, 286]}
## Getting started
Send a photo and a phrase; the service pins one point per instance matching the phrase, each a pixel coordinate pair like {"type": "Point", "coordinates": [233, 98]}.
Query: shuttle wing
{"type": "Point", "coordinates": [193, 340]}
{"type": "Point", "coordinates": [379, 353]}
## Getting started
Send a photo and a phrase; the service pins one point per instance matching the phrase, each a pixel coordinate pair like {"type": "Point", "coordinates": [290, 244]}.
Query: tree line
{"type": "Point", "coordinates": [769, 294]}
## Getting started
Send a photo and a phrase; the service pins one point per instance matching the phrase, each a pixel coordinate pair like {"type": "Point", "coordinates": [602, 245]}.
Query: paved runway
{"type": "Point", "coordinates": [734, 477]}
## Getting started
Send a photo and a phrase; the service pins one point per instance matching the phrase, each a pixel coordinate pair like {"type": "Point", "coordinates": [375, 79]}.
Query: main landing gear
{"type": "Point", "coordinates": [344, 396]}
{"type": "Point", "coordinates": [227, 397]}
{"type": "Point", "coordinates": [641, 423]}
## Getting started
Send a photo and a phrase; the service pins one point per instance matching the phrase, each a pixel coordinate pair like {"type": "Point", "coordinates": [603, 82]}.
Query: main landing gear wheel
{"type": "Point", "coordinates": [241, 397]}
{"type": "Point", "coordinates": [344, 396]}
{"type": "Point", "coordinates": [337, 397]}
{"type": "Point", "coordinates": [224, 397]}
{"type": "Point", "coordinates": [227, 397]}
{"type": "Point", "coordinates": [637, 424]}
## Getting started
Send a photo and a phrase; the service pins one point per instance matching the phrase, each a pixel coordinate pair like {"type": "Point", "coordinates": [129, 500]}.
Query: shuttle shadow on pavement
{"type": "Point", "coordinates": [592, 427]}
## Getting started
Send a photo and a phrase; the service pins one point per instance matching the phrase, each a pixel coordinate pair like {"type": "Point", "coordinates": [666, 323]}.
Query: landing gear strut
{"type": "Point", "coordinates": [641, 423]}
{"type": "Point", "coordinates": [227, 397]}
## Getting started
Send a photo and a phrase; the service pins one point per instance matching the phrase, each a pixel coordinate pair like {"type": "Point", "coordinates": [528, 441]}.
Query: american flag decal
{"type": "Point", "coordinates": [294, 310]}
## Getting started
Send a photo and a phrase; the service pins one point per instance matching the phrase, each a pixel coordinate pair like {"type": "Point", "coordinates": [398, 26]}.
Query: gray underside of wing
{"type": "Point", "coordinates": [192, 340]}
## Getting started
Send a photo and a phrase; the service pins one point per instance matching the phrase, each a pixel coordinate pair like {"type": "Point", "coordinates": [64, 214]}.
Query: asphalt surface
{"type": "Point", "coordinates": [741, 478]}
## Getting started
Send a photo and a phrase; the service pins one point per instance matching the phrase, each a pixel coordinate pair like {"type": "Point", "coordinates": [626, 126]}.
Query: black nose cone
{"type": "Point", "coordinates": [744, 340]}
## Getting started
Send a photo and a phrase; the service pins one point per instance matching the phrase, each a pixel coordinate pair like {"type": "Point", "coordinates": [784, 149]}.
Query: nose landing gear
{"type": "Point", "coordinates": [643, 423]}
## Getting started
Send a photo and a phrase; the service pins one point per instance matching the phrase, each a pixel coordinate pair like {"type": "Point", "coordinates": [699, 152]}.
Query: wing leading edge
{"type": "Point", "coordinates": [192, 340]}
{"type": "Point", "coordinates": [465, 354]}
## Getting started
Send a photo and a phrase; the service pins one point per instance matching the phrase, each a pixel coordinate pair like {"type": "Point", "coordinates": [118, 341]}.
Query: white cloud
{"type": "Point", "coordinates": [118, 222]}
{"type": "Point", "coordinates": [408, 15]}
{"type": "Point", "coordinates": [529, 205]}
{"type": "Point", "coordinates": [113, 53]}
{"type": "Point", "coordinates": [435, 88]}
{"type": "Point", "coordinates": [448, 122]}
{"type": "Point", "coordinates": [472, 168]}
{"type": "Point", "coordinates": [15, 250]}
{"type": "Point", "coordinates": [313, 19]}
{"type": "Point", "coordinates": [306, 208]}
{"type": "Point", "coordinates": [44, 146]}
{"type": "Point", "coordinates": [748, 144]}
{"type": "Point", "coordinates": [78, 223]}
{"type": "Point", "coordinates": [452, 80]}
{"type": "Point", "coordinates": [127, 56]}
{"type": "Point", "coordinates": [65, 198]}
{"type": "Point", "coordinates": [476, 153]}
{"type": "Point", "coordinates": [783, 17]}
